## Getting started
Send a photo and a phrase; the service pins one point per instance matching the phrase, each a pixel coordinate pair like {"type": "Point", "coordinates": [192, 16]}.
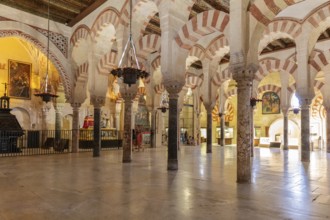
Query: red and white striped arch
{"type": "Point", "coordinates": [193, 81]}
{"type": "Point", "coordinates": [197, 51]}
{"type": "Point", "coordinates": [82, 32]}
{"type": "Point", "coordinates": [318, 60]}
{"type": "Point", "coordinates": [107, 63]}
{"type": "Point", "coordinates": [270, 87]}
{"type": "Point", "coordinates": [159, 89]}
{"type": "Point", "coordinates": [268, 65]}
{"type": "Point", "coordinates": [280, 29]}
{"type": "Point", "coordinates": [148, 44]}
{"type": "Point", "coordinates": [229, 112]}
{"type": "Point", "coordinates": [215, 45]}
{"type": "Point", "coordinates": [156, 63]}
{"type": "Point", "coordinates": [81, 74]}
{"type": "Point", "coordinates": [222, 76]}
{"type": "Point", "coordinates": [109, 16]}
{"type": "Point", "coordinates": [201, 25]}
{"type": "Point", "coordinates": [319, 16]}
{"type": "Point", "coordinates": [264, 11]}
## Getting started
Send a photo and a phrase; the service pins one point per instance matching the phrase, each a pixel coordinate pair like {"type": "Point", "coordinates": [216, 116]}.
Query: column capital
{"type": "Point", "coordinates": [97, 101]}
{"type": "Point", "coordinates": [173, 87]}
{"type": "Point", "coordinates": [128, 93]}
{"type": "Point", "coordinates": [242, 73]}
{"type": "Point", "coordinates": [75, 105]}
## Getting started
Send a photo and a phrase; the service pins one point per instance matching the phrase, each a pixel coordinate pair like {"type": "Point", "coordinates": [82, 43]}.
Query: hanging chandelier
{"type": "Point", "coordinates": [46, 90]}
{"type": "Point", "coordinates": [164, 102]}
{"type": "Point", "coordinates": [132, 72]}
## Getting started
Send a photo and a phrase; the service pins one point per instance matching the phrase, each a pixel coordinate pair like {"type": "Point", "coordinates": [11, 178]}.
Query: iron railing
{"type": "Point", "coordinates": [43, 142]}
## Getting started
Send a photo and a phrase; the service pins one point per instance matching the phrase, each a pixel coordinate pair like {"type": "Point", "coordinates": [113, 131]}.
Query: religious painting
{"type": "Point", "coordinates": [19, 79]}
{"type": "Point", "coordinates": [270, 103]}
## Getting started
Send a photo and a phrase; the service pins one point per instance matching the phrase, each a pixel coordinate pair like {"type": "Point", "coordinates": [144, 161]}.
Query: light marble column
{"type": "Point", "coordinates": [305, 131]}
{"type": "Point", "coordinates": [328, 129]}
{"type": "Point", "coordinates": [173, 88]}
{"type": "Point", "coordinates": [98, 102]}
{"type": "Point", "coordinates": [128, 94]}
{"type": "Point", "coordinates": [285, 130]}
{"type": "Point", "coordinates": [75, 127]}
{"type": "Point", "coordinates": [244, 76]}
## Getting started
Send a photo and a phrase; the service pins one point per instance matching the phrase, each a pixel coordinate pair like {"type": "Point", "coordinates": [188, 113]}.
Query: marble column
{"type": "Point", "coordinates": [97, 132]}
{"type": "Point", "coordinates": [222, 129]}
{"type": "Point", "coordinates": [58, 120]}
{"type": "Point", "coordinates": [285, 130]}
{"type": "Point", "coordinates": [243, 77]}
{"type": "Point", "coordinates": [209, 131]}
{"type": "Point", "coordinates": [75, 127]}
{"type": "Point", "coordinates": [252, 132]}
{"type": "Point", "coordinates": [98, 102]}
{"type": "Point", "coordinates": [305, 131]}
{"type": "Point", "coordinates": [328, 129]}
{"type": "Point", "coordinates": [153, 128]}
{"type": "Point", "coordinates": [173, 88]}
{"type": "Point", "coordinates": [128, 94]}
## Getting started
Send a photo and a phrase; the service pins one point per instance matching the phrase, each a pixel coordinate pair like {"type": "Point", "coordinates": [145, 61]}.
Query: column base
{"type": "Point", "coordinates": [126, 160]}
{"type": "Point", "coordinates": [172, 164]}
{"type": "Point", "coordinates": [305, 156]}
{"type": "Point", "coordinates": [96, 155]}
{"type": "Point", "coordinates": [243, 181]}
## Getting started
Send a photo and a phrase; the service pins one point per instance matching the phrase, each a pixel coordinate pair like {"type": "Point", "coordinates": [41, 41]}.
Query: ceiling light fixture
{"type": "Point", "coordinates": [132, 72]}
{"type": "Point", "coordinates": [46, 90]}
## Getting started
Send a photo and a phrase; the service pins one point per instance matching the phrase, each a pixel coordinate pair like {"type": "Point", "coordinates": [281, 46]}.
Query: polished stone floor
{"type": "Point", "coordinates": [78, 186]}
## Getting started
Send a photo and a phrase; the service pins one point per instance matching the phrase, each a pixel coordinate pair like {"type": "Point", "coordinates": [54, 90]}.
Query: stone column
{"type": "Point", "coordinates": [58, 122]}
{"type": "Point", "coordinates": [252, 132]}
{"type": "Point", "coordinates": [98, 102]}
{"type": "Point", "coordinates": [128, 94]}
{"type": "Point", "coordinates": [305, 131]}
{"type": "Point", "coordinates": [243, 77]}
{"type": "Point", "coordinates": [285, 130]}
{"type": "Point", "coordinates": [222, 129]}
{"type": "Point", "coordinates": [173, 88]}
{"type": "Point", "coordinates": [209, 130]}
{"type": "Point", "coordinates": [328, 128]}
{"type": "Point", "coordinates": [153, 128]}
{"type": "Point", "coordinates": [75, 127]}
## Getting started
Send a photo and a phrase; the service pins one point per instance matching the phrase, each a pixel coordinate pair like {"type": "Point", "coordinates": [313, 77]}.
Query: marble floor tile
{"type": "Point", "coordinates": [79, 186]}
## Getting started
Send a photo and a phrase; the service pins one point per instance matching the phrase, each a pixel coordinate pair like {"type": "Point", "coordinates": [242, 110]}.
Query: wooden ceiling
{"type": "Point", "coordinates": [67, 12]}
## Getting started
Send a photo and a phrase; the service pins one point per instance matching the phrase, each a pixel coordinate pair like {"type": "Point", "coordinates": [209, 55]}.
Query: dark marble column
{"type": "Point", "coordinates": [285, 130]}
{"type": "Point", "coordinates": [75, 127]}
{"type": "Point", "coordinates": [222, 130]}
{"type": "Point", "coordinates": [58, 120]}
{"type": "Point", "coordinates": [244, 77]}
{"type": "Point", "coordinates": [97, 101]}
{"type": "Point", "coordinates": [153, 128]}
{"type": "Point", "coordinates": [173, 88]}
{"type": "Point", "coordinates": [97, 132]}
{"type": "Point", "coordinates": [305, 131]}
{"type": "Point", "coordinates": [209, 131]}
{"type": "Point", "coordinates": [128, 94]}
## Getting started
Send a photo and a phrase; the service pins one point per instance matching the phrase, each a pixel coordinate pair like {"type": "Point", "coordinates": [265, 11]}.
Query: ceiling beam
{"type": "Point", "coordinates": [86, 12]}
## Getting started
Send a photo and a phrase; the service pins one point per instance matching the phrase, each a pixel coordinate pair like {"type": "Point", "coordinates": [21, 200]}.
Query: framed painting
{"type": "Point", "coordinates": [270, 103]}
{"type": "Point", "coordinates": [19, 79]}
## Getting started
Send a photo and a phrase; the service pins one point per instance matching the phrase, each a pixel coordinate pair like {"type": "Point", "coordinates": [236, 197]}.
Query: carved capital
{"type": "Point", "coordinates": [97, 101]}
{"type": "Point", "coordinates": [128, 93]}
{"type": "Point", "coordinates": [173, 86]}
{"type": "Point", "coordinates": [243, 72]}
